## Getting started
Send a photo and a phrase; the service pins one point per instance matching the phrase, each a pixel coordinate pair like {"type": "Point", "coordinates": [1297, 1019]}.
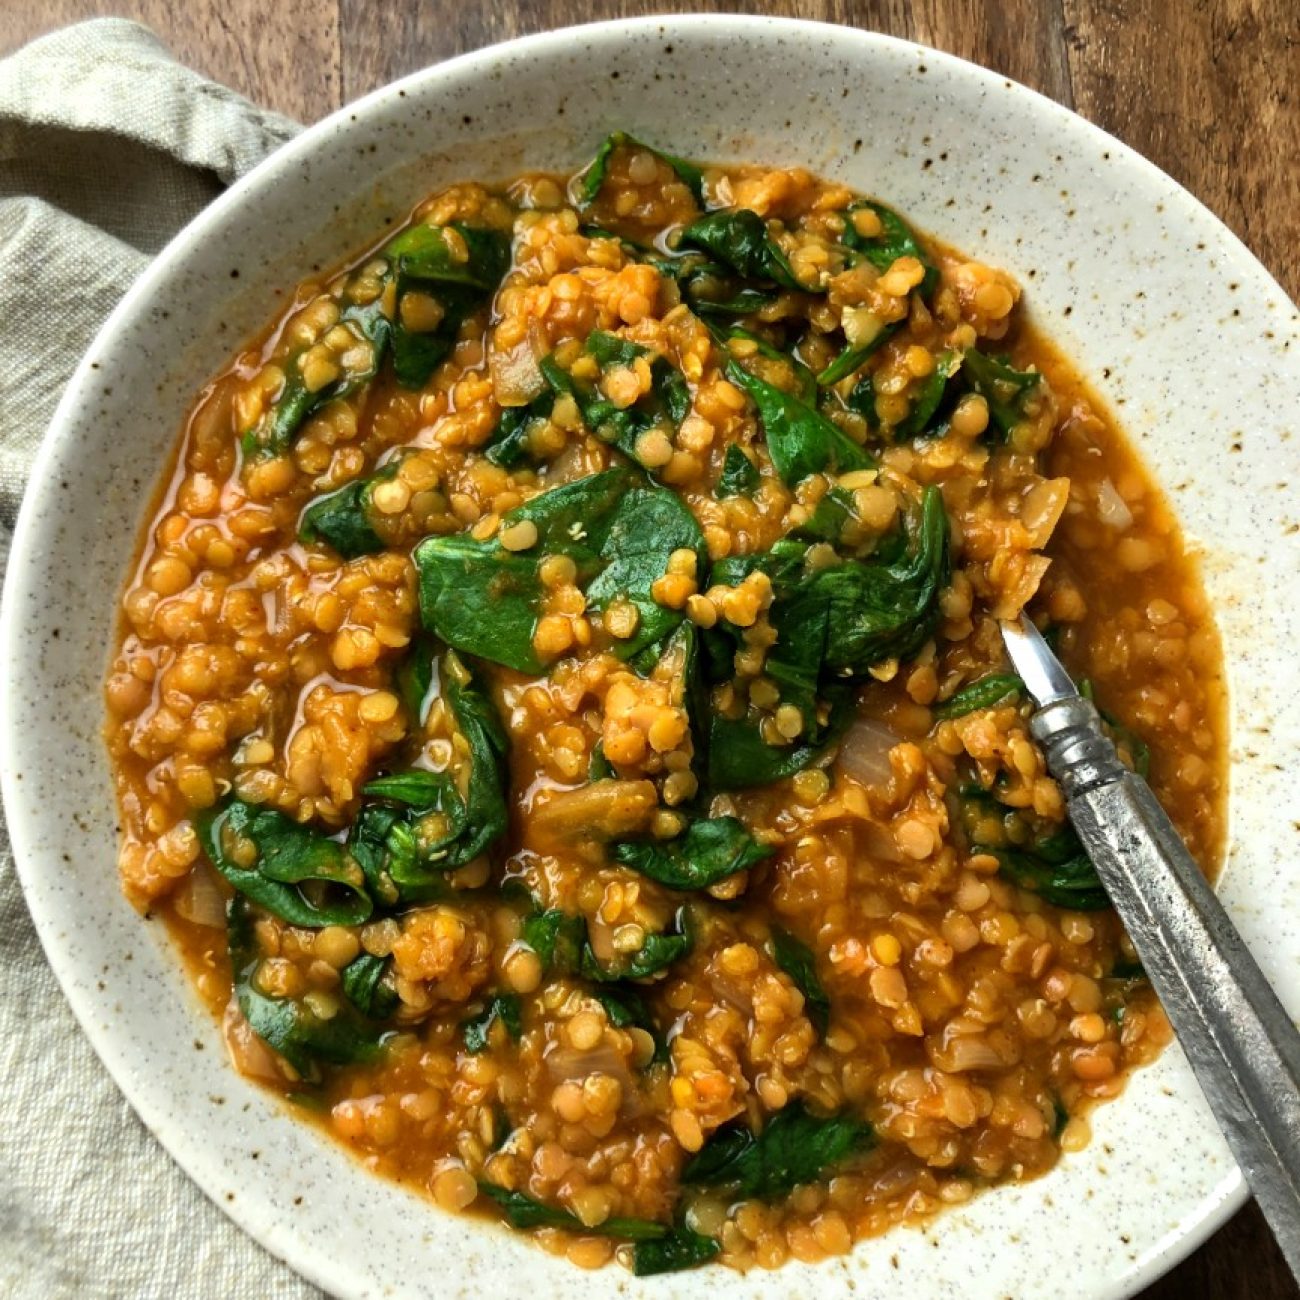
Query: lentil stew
{"type": "Point", "coordinates": [560, 712]}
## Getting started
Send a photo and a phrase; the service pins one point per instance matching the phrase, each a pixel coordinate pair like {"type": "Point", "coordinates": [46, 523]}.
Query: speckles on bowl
{"type": "Point", "coordinates": [1164, 309]}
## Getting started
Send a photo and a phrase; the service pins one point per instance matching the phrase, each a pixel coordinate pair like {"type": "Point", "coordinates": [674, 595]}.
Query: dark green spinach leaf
{"type": "Point", "coordinates": [665, 406]}
{"type": "Point", "coordinates": [365, 986]}
{"type": "Point", "coordinates": [428, 259]}
{"type": "Point", "coordinates": [983, 694]}
{"type": "Point", "coordinates": [486, 600]}
{"type": "Point", "coordinates": [687, 172]}
{"type": "Point", "coordinates": [433, 829]}
{"type": "Point", "coordinates": [508, 444]}
{"type": "Point", "coordinates": [1004, 388]}
{"type": "Point", "coordinates": [927, 403]}
{"type": "Point", "coordinates": [797, 960]}
{"type": "Point", "coordinates": [794, 1148]}
{"type": "Point", "coordinates": [342, 519]}
{"type": "Point", "coordinates": [884, 611]}
{"type": "Point", "coordinates": [894, 241]}
{"type": "Point", "coordinates": [295, 872]}
{"type": "Point", "coordinates": [854, 354]}
{"type": "Point", "coordinates": [279, 425]}
{"type": "Point", "coordinates": [523, 1212]}
{"type": "Point", "coordinates": [739, 477]}
{"type": "Point", "coordinates": [557, 937]}
{"type": "Point", "coordinates": [504, 1007]}
{"type": "Point", "coordinates": [656, 954]}
{"type": "Point", "coordinates": [287, 1025]}
{"type": "Point", "coordinates": [739, 239]}
{"type": "Point", "coordinates": [710, 849]}
{"type": "Point", "coordinates": [682, 1248]}
{"type": "Point", "coordinates": [800, 440]}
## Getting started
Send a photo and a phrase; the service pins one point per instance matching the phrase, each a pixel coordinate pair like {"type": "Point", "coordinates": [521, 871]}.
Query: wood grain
{"type": "Point", "coordinates": [1207, 89]}
{"type": "Point", "coordinates": [295, 67]}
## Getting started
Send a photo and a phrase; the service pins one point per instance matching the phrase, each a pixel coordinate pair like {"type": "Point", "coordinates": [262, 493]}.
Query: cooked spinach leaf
{"type": "Point", "coordinates": [795, 1147]}
{"type": "Point", "coordinates": [1004, 388]}
{"type": "Point", "coordinates": [1059, 869]}
{"type": "Point", "coordinates": [862, 399]}
{"type": "Point", "coordinates": [800, 440]}
{"type": "Point", "coordinates": [417, 825]}
{"type": "Point", "coordinates": [1125, 739]}
{"type": "Point", "coordinates": [854, 354]}
{"type": "Point", "coordinates": [366, 988]}
{"type": "Point", "coordinates": [797, 960]}
{"type": "Point", "coordinates": [342, 519]}
{"type": "Point", "coordinates": [929, 400]}
{"type": "Point", "coordinates": [709, 850]}
{"type": "Point", "coordinates": [508, 444]}
{"type": "Point", "coordinates": [832, 627]}
{"type": "Point", "coordinates": [885, 611]}
{"type": "Point", "coordinates": [282, 420]}
{"type": "Point", "coordinates": [560, 941]}
{"type": "Point", "coordinates": [665, 406]}
{"type": "Point", "coordinates": [504, 1007]}
{"type": "Point", "coordinates": [682, 1248]}
{"type": "Point", "coordinates": [710, 289]}
{"type": "Point", "coordinates": [790, 373]}
{"type": "Point", "coordinates": [599, 768]}
{"type": "Point", "coordinates": [739, 239]}
{"type": "Point", "coordinates": [557, 937]}
{"type": "Point", "coordinates": [739, 477]}
{"type": "Point", "coordinates": [1060, 1117]}
{"type": "Point", "coordinates": [486, 601]}
{"type": "Point", "coordinates": [656, 953]}
{"type": "Point", "coordinates": [828, 520]}
{"type": "Point", "coordinates": [288, 1025]}
{"type": "Point", "coordinates": [895, 240]}
{"type": "Point", "coordinates": [687, 172]}
{"type": "Point", "coordinates": [523, 1212]}
{"type": "Point", "coordinates": [289, 869]}
{"type": "Point", "coordinates": [983, 694]}
{"type": "Point", "coordinates": [458, 265]}
{"type": "Point", "coordinates": [640, 534]}
{"type": "Point", "coordinates": [740, 759]}
{"type": "Point", "coordinates": [625, 1008]}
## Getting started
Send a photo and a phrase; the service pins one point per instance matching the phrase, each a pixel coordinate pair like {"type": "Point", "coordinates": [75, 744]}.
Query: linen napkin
{"type": "Point", "coordinates": [107, 147]}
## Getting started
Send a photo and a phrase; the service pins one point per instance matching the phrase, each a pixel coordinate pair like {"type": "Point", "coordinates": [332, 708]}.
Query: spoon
{"type": "Point", "coordinates": [1240, 1040]}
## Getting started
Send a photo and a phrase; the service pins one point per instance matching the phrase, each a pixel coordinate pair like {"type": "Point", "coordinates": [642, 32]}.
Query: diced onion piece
{"type": "Point", "coordinates": [199, 899]}
{"type": "Point", "coordinates": [516, 374]}
{"type": "Point", "coordinates": [864, 752]}
{"type": "Point", "coordinates": [1042, 507]}
{"type": "Point", "coordinates": [602, 810]}
{"type": "Point", "coordinates": [1112, 509]}
{"type": "Point", "coordinates": [962, 1052]}
{"type": "Point", "coordinates": [248, 1053]}
{"type": "Point", "coordinates": [563, 1062]}
{"type": "Point", "coordinates": [861, 326]}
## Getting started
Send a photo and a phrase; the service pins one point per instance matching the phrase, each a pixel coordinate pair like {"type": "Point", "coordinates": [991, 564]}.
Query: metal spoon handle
{"type": "Point", "coordinates": [1240, 1040]}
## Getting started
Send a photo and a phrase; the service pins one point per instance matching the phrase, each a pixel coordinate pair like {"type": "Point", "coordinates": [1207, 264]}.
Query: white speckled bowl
{"type": "Point", "coordinates": [1198, 349]}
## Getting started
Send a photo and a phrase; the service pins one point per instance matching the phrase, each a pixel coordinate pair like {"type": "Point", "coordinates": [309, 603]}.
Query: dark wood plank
{"type": "Point", "coordinates": [1208, 92]}
{"type": "Point", "coordinates": [1240, 1262]}
{"type": "Point", "coordinates": [1022, 39]}
{"type": "Point", "coordinates": [382, 40]}
{"type": "Point", "coordinates": [286, 57]}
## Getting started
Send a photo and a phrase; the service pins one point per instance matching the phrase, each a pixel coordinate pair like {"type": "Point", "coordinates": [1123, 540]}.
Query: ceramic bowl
{"type": "Point", "coordinates": [1179, 327]}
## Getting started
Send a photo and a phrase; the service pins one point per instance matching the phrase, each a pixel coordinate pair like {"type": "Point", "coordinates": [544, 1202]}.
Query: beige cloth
{"type": "Point", "coordinates": [107, 147]}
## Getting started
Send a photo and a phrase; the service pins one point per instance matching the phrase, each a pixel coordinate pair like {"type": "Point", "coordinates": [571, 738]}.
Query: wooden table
{"type": "Point", "coordinates": [1209, 90]}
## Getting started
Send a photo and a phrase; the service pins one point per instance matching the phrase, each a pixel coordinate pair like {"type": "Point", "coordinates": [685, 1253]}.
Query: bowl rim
{"type": "Point", "coordinates": [1215, 1207]}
